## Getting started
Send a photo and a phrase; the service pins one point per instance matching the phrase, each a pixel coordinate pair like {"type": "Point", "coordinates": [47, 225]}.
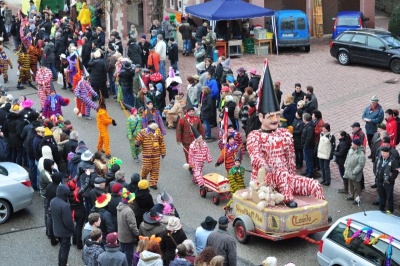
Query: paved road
{"type": "Point", "coordinates": [342, 93]}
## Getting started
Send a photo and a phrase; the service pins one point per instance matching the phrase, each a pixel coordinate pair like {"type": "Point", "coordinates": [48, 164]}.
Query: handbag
{"type": "Point", "coordinates": [66, 9]}
{"type": "Point", "coordinates": [60, 79]}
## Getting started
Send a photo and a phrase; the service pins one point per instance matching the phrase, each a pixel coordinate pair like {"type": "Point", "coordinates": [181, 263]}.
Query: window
{"type": "Point", "coordinates": [374, 42]}
{"type": "Point", "coordinates": [3, 171]}
{"type": "Point", "coordinates": [287, 24]}
{"type": "Point", "coordinates": [373, 253]}
{"type": "Point", "coordinates": [301, 23]}
{"type": "Point", "coordinates": [179, 5]}
{"type": "Point", "coordinates": [172, 4]}
{"type": "Point", "coordinates": [359, 39]}
{"type": "Point", "coordinates": [349, 21]}
{"type": "Point", "coordinates": [337, 236]}
{"type": "Point", "coordinates": [345, 37]}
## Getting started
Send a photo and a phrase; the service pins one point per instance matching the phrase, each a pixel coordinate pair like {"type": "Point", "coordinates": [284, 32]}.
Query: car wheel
{"type": "Point", "coordinates": [5, 211]}
{"type": "Point", "coordinates": [307, 48]}
{"type": "Point", "coordinates": [395, 66]}
{"type": "Point", "coordinates": [241, 232]}
{"type": "Point", "coordinates": [343, 58]}
{"type": "Point", "coordinates": [203, 192]}
{"type": "Point", "coordinates": [216, 199]}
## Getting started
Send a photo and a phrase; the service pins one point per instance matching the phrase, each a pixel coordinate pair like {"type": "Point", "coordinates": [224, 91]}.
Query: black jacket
{"type": "Point", "coordinates": [341, 151]}
{"type": "Point", "coordinates": [298, 126]}
{"type": "Point", "coordinates": [112, 208]}
{"type": "Point", "coordinates": [307, 137]}
{"type": "Point", "coordinates": [51, 189]}
{"type": "Point", "coordinates": [145, 52]}
{"type": "Point", "coordinates": [207, 107]}
{"type": "Point", "coordinates": [70, 146]}
{"type": "Point", "coordinates": [98, 71]}
{"type": "Point", "coordinates": [143, 203]}
{"type": "Point", "coordinates": [126, 77]}
{"type": "Point", "coordinates": [134, 53]}
{"type": "Point", "coordinates": [298, 96]}
{"type": "Point", "coordinates": [243, 82]}
{"type": "Point", "coordinates": [254, 81]}
{"type": "Point", "coordinates": [61, 213]}
{"type": "Point", "coordinates": [106, 225]}
{"type": "Point", "coordinates": [86, 49]}
{"type": "Point", "coordinates": [173, 52]}
{"type": "Point", "coordinates": [59, 46]}
{"type": "Point", "coordinates": [49, 141]}
{"type": "Point", "coordinates": [12, 129]}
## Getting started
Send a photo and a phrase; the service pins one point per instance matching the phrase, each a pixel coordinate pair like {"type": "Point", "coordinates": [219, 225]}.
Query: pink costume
{"type": "Point", "coordinates": [275, 149]}
{"type": "Point", "coordinates": [44, 77]}
{"type": "Point", "coordinates": [84, 91]}
{"type": "Point", "coordinates": [198, 154]}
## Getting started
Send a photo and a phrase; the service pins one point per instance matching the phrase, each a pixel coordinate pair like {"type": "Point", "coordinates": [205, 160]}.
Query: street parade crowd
{"type": "Point", "coordinates": [85, 193]}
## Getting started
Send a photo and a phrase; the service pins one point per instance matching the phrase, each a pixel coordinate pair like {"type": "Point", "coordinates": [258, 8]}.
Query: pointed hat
{"type": "Point", "coordinates": [238, 155]}
{"type": "Point", "coordinates": [195, 132]}
{"type": "Point", "coordinates": [267, 100]}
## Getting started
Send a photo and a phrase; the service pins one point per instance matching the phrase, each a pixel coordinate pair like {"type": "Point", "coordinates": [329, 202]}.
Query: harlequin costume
{"type": "Point", "coordinates": [228, 155]}
{"type": "Point", "coordinates": [103, 121]}
{"type": "Point", "coordinates": [152, 142]}
{"type": "Point", "coordinates": [84, 92]}
{"type": "Point", "coordinates": [24, 68]}
{"type": "Point", "coordinates": [237, 136]}
{"type": "Point", "coordinates": [199, 153]}
{"type": "Point", "coordinates": [157, 119]}
{"type": "Point", "coordinates": [184, 133]}
{"type": "Point", "coordinates": [272, 148]}
{"type": "Point", "coordinates": [236, 177]}
{"type": "Point", "coordinates": [34, 54]}
{"type": "Point", "coordinates": [44, 77]}
{"type": "Point", "coordinates": [4, 63]}
{"type": "Point", "coordinates": [133, 127]}
{"type": "Point", "coordinates": [53, 103]}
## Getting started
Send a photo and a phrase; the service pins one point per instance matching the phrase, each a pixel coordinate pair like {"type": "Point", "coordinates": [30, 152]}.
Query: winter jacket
{"type": "Point", "coordinates": [12, 129]}
{"type": "Point", "coordinates": [49, 141]}
{"type": "Point", "coordinates": [70, 146]}
{"type": "Point", "coordinates": [254, 82]}
{"type": "Point", "coordinates": [86, 232]}
{"type": "Point", "coordinates": [51, 189]}
{"type": "Point", "coordinates": [91, 252]}
{"type": "Point", "coordinates": [48, 54]}
{"type": "Point", "coordinates": [161, 49]}
{"type": "Point", "coordinates": [341, 151]}
{"type": "Point", "coordinates": [127, 227]}
{"type": "Point", "coordinates": [309, 107]}
{"type": "Point", "coordinates": [200, 54]}
{"type": "Point", "coordinates": [298, 126]}
{"type": "Point", "coordinates": [224, 245]}
{"type": "Point", "coordinates": [180, 262]}
{"type": "Point", "coordinates": [59, 46]}
{"type": "Point", "coordinates": [146, 229]}
{"type": "Point", "coordinates": [126, 77]}
{"type": "Point", "coordinates": [168, 246]}
{"type": "Point", "coordinates": [106, 225]}
{"type": "Point", "coordinates": [173, 52]}
{"type": "Point", "coordinates": [98, 71]}
{"type": "Point", "coordinates": [61, 213]}
{"type": "Point", "coordinates": [45, 177]}
{"type": "Point", "coordinates": [376, 117]}
{"type": "Point", "coordinates": [36, 147]}
{"type": "Point", "coordinates": [134, 52]}
{"type": "Point", "coordinates": [298, 96]}
{"type": "Point", "coordinates": [185, 30]}
{"type": "Point", "coordinates": [46, 154]}
{"type": "Point", "coordinates": [167, 28]}
{"type": "Point", "coordinates": [307, 136]}
{"type": "Point", "coordinates": [242, 81]}
{"type": "Point", "coordinates": [201, 32]}
{"type": "Point", "coordinates": [354, 165]}
{"type": "Point", "coordinates": [112, 208]}
{"type": "Point", "coordinates": [112, 256]}
{"type": "Point", "coordinates": [207, 107]}
{"type": "Point", "coordinates": [148, 258]}
{"type": "Point", "coordinates": [290, 113]}
{"type": "Point", "coordinates": [326, 146]}
{"type": "Point", "coordinates": [391, 128]}
{"type": "Point", "coordinates": [28, 141]}
{"type": "Point", "coordinates": [386, 171]}
{"type": "Point", "coordinates": [143, 203]}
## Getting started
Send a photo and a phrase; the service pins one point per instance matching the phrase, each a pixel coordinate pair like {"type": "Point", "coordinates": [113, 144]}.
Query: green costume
{"type": "Point", "coordinates": [133, 127]}
{"type": "Point", "coordinates": [236, 180]}
{"type": "Point", "coordinates": [93, 18]}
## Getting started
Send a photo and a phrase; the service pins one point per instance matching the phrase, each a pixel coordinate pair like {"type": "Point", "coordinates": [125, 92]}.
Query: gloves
{"type": "Point", "coordinates": [113, 123]}
{"type": "Point", "coordinates": [217, 164]}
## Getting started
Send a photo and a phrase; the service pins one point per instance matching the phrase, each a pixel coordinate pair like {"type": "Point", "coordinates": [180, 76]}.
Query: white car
{"type": "Point", "coordinates": [16, 192]}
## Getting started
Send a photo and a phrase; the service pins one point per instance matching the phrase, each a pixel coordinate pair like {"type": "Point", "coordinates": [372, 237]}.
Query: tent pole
{"type": "Point", "coordinates": [275, 34]}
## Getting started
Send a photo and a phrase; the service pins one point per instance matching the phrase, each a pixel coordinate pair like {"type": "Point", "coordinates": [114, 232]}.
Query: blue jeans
{"type": "Point", "coordinates": [162, 68]}
{"type": "Point", "coordinates": [308, 157]}
{"type": "Point", "coordinates": [127, 93]}
{"type": "Point", "coordinates": [33, 173]}
{"type": "Point", "coordinates": [206, 123]}
{"type": "Point", "coordinates": [326, 171]}
{"type": "Point", "coordinates": [53, 69]}
{"type": "Point", "coordinates": [112, 82]}
{"type": "Point", "coordinates": [187, 46]}
{"type": "Point", "coordinates": [174, 65]}
{"type": "Point", "coordinates": [127, 249]}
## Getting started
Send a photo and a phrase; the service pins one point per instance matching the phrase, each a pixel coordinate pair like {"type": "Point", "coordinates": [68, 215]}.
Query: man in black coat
{"type": "Point", "coordinates": [62, 223]}
{"type": "Point", "coordinates": [145, 46]}
{"type": "Point", "coordinates": [71, 144]}
{"type": "Point", "coordinates": [12, 129]}
{"type": "Point", "coordinates": [173, 54]}
{"type": "Point", "coordinates": [51, 193]}
{"type": "Point", "coordinates": [134, 52]}
{"type": "Point", "coordinates": [308, 143]}
{"type": "Point", "coordinates": [86, 50]}
{"type": "Point", "coordinates": [59, 48]}
{"type": "Point", "coordinates": [98, 73]}
{"type": "Point", "coordinates": [30, 131]}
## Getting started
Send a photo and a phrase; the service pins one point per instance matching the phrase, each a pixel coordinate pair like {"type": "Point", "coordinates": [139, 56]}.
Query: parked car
{"type": "Point", "coordinates": [334, 250]}
{"type": "Point", "coordinates": [16, 192]}
{"type": "Point", "coordinates": [348, 20]}
{"type": "Point", "coordinates": [292, 29]}
{"type": "Point", "coordinates": [367, 46]}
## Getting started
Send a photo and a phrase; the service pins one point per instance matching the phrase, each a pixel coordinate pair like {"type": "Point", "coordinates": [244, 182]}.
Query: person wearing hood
{"type": "Point", "coordinates": [12, 130]}
{"type": "Point", "coordinates": [51, 193]}
{"type": "Point", "coordinates": [354, 166]}
{"type": "Point", "coordinates": [110, 177]}
{"type": "Point", "coordinates": [45, 176]}
{"type": "Point", "coordinates": [151, 256]}
{"type": "Point", "coordinates": [152, 142]}
{"type": "Point", "coordinates": [133, 185]}
{"type": "Point", "coordinates": [254, 79]}
{"type": "Point", "coordinates": [103, 121]}
{"type": "Point", "coordinates": [144, 200]}
{"type": "Point", "coordinates": [84, 17]}
{"type": "Point", "coordinates": [128, 232]}
{"type": "Point", "coordinates": [113, 204]}
{"type": "Point", "coordinates": [112, 255]}
{"type": "Point", "coordinates": [48, 140]}
{"type": "Point", "coordinates": [74, 158]}
{"type": "Point", "coordinates": [92, 248]}
{"type": "Point", "coordinates": [227, 73]}
{"type": "Point", "coordinates": [62, 222]}
{"type": "Point", "coordinates": [71, 144]}
{"type": "Point", "coordinates": [75, 200]}
{"type": "Point", "coordinates": [46, 154]}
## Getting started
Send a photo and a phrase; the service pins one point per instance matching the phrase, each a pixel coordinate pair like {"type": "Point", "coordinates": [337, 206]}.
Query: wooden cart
{"type": "Point", "coordinates": [217, 183]}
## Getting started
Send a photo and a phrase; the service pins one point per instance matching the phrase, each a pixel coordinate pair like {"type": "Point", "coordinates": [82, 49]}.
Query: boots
{"type": "Point", "coordinates": [19, 87]}
{"type": "Point", "coordinates": [345, 189]}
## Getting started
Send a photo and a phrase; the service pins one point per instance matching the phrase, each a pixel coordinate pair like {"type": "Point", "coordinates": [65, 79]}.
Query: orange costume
{"type": "Point", "coordinates": [34, 54]}
{"type": "Point", "coordinates": [103, 121]}
{"type": "Point", "coordinates": [77, 77]}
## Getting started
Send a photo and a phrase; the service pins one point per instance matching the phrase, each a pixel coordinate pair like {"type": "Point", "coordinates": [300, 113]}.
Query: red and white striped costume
{"type": "Point", "coordinates": [44, 77]}
{"type": "Point", "coordinates": [275, 149]}
{"type": "Point", "coordinates": [198, 154]}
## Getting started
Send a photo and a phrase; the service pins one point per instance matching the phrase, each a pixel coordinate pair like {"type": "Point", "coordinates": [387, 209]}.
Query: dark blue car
{"type": "Point", "coordinates": [348, 20]}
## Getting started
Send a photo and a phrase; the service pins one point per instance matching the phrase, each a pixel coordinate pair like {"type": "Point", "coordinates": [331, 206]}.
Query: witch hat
{"type": "Point", "coordinates": [196, 133]}
{"type": "Point", "coordinates": [149, 115]}
{"type": "Point", "coordinates": [267, 100]}
{"type": "Point", "coordinates": [238, 155]}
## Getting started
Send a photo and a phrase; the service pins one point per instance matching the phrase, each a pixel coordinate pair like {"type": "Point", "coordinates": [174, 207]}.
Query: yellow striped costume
{"type": "Point", "coordinates": [24, 68]}
{"type": "Point", "coordinates": [236, 180]}
{"type": "Point", "coordinates": [153, 145]}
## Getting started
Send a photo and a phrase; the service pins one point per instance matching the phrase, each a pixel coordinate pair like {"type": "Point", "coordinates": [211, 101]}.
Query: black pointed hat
{"type": "Point", "coordinates": [267, 100]}
{"type": "Point", "coordinates": [195, 132]}
{"type": "Point", "coordinates": [149, 115]}
{"type": "Point", "coordinates": [239, 155]}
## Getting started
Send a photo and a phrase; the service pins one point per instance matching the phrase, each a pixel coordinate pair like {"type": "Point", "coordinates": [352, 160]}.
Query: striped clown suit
{"type": "Point", "coordinates": [24, 68]}
{"type": "Point", "coordinates": [275, 151]}
{"type": "Point", "coordinates": [103, 121]}
{"type": "Point", "coordinates": [228, 155]}
{"type": "Point", "coordinates": [44, 77]}
{"type": "Point", "coordinates": [153, 145]}
{"type": "Point", "coordinates": [236, 180]}
{"type": "Point", "coordinates": [199, 153]}
{"type": "Point", "coordinates": [5, 62]}
{"type": "Point", "coordinates": [83, 91]}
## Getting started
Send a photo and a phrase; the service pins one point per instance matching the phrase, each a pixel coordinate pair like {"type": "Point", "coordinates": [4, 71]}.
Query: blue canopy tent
{"type": "Point", "coordinates": [230, 10]}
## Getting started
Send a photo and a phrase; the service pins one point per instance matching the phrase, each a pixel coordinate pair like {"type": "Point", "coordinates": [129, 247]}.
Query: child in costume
{"type": "Point", "coordinates": [231, 132]}
{"type": "Point", "coordinates": [199, 153]}
{"type": "Point", "coordinates": [236, 176]}
{"type": "Point", "coordinates": [84, 92]}
{"type": "Point", "coordinates": [103, 121]}
{"type": "Point", "coordinates": [228, 154]}
{"type": "Point", "coordinates": [155, 114]}
{"type": "Point", "coordinates": [133, 127]}
{"type": "Point", "coordinates": [44, 77]}
{"type": "Point", "coordinates": [53, 103]}
{"type": "Point", "coordinates": [4, 63]}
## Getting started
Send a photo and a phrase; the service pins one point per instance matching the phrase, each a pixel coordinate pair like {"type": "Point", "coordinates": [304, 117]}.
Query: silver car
{"type": "Point", "coordinates": [16, 192]}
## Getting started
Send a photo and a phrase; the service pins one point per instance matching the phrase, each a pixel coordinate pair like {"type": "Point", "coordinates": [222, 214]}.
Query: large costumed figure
{"type": "Point", "coordinates": [44, 77]}
{"type": "Point", "coordinates": [199, 153]}
{"type": "Point", "coordinates": [271, 148]}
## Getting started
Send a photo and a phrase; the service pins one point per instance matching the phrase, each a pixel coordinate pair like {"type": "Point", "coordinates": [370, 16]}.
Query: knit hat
{"type": "Point", "coordinates": [143, 36]}
{"type": "Point", "coordinates": [47, 132]}
{"type": "Point", "coordinates": [386, 139]}
{"type": "Point", "coordinates": [166, 18]}
{"type": "Point", "coordinates": [135, 178]}
{"type": "Point", "coordinates": [127, 196]}
{"type": "Point", "coordinates": [143, 184]}
{"type": "Point", "coordinates": [116, 188]}
{"type": "Point", "coordinates": [357, 142]}
{"type": "Point", "coordinates": [133, 110]}
{"type": "Point", "coordinates": [112, 240]}
{"type": "Point", "coordinates": [102, 200]}
{"type": "Point", "coordinates": [174, 224]}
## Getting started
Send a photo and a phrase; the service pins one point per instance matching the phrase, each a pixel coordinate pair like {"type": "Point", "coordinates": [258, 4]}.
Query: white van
{"type": "Point", "coordinates": [334, 251]}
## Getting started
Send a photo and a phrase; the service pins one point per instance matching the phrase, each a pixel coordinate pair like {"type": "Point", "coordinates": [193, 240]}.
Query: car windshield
{"type": "Point", "coordinates": [348, 21]}
{"type": "Point", "coordinates": [392, 41]}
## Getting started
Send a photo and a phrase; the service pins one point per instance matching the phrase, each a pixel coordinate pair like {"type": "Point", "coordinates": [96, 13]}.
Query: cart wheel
{"type": "Point", "coordinates": [203, 192]}
{"type": "Point", "coordinates": [241, 232]}
{"type": "Point", "coordinates": [216, 199]}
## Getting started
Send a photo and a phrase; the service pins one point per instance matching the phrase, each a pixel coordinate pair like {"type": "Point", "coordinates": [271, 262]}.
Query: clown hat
{"type": "Point", "coordinates": [102, 200]}
{"type": "Point", "coordinates": [47, 132]}
{"type": "Point", "coordinates": [196, 133]}
{"type": "Point", "coordinates": [238, 155]}
{"type": "Point", "coordinates": [268, 102]}
{"type": "Point", "coordinates": [127, 196]}
{"type": "Point", "coordinates": [28, 103]}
